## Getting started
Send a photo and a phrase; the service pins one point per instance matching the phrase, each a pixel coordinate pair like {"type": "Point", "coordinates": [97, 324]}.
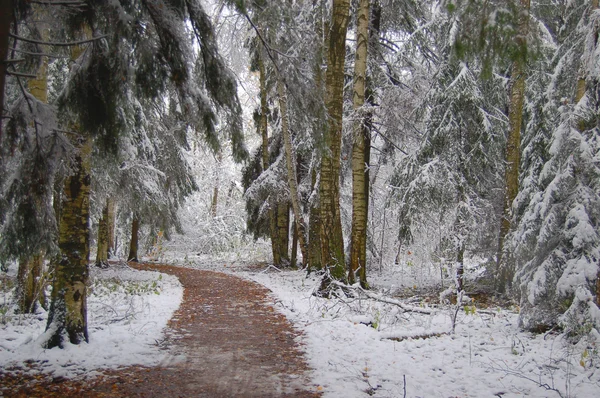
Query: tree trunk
{"type": "Point", "coordinates": [360, 177]}
{"type": "Point", "coordinates": [264, 133]}
{"type": "Point", "coordinates": [314, 227]}
{"type": "Point", "coordinates": [30, 264]}
{"type": "Point", "coordinates": [295, 233]}
{"type": "Point", "coordinates": [133, 246]}
{"type": "Point", "coordinates": [6, 16]}
{"type": "Point", "coordinates": [283, 233]}
{"type": "Point", "coordinates": [102, 254]}
{"type": "Point", "coordinates": [332, 242]}
{"type": "Point", "coordinates": [582, 84]}
{"type": "Point", "coordinates": [513, 144]}
{"type": "Point", "coordinates": [291, 172]}
{"type": "Point", "coordinates": [110, 228]}
{"type": "Point", "coordinates": [215, 197]}
{"type": "Point", "coordinates": [314, 230]}
{"type": "Point", "coordinates": [68, 310]}
{"type": "Point", "coordinates": [29, 283]}
{"type": "Point", "coordinates": [460, 270]}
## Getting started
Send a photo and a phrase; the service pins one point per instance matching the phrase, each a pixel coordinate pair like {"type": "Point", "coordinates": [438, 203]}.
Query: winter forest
{"type": "Point", "coordinates": [391, 198]}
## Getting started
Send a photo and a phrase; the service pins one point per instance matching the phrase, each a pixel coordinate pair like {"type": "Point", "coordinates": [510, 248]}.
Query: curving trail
{"type": "Point", "coordinates": [223, 341]}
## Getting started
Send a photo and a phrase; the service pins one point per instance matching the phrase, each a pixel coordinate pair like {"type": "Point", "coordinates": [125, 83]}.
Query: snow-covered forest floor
{"type": "Point", "coordinates": [361, 346]}
{"type": "Point", "coordinates": [127, 312]}
{"type": "Point", "coordinates": [357, 346]}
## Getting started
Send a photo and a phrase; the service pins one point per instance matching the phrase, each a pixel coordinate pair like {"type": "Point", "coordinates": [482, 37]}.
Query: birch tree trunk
{"type": "Point", "coordinates": [290, 159]}
{"type": "Point", "coordinates": [314, 226]}
{"type": "Point", "coordinates": [360, 177]}
{"type": "Point", "coordinates": [505, 272]}
{"type": "Point", "coordinates": [332, 242]}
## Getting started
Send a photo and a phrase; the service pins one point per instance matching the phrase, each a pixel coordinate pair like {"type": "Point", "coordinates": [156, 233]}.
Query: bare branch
{"type": "Point", "coordinates": [76, 3]}
{"type": "Point", "coordinates": [25, 75]}
{"type": "Point", "coordinates": [38, 54]}
{"type": "Point", "coordinates": [14, 61]}
{"type": "Point", "coordinates": [57, 44]}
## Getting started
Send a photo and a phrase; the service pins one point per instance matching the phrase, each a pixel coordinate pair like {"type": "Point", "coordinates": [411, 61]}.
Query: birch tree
{"type": "Point", "coordinates": [360, 154]}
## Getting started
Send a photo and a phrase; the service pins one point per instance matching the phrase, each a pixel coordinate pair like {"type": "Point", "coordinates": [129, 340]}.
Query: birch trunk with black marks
{"type": "Point", "coordinates": [360, 177]}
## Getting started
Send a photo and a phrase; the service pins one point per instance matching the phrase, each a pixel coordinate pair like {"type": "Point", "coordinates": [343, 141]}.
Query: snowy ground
{"type": "Point", "coordinates": [349, 343]}
{"type": "Point", "coordinates": [127, 311]}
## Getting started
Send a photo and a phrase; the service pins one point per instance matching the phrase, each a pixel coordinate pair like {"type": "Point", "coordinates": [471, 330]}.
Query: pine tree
{"type": "Point", "coordinates": [556, 244]}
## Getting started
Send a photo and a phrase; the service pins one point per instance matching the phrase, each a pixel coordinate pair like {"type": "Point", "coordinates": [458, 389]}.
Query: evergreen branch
{"type": "Point", "coordinates": [57, 44]}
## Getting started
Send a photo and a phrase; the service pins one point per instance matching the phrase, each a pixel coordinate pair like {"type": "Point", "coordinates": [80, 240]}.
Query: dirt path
{"type": "Point", "coordinates": [224, 341]}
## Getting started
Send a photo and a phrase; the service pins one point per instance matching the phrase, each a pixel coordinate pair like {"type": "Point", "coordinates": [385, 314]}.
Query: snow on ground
{"type": "Point", "coordinates": [349, 343]}
{"type": "Point", "coordinates": [127, 312]}
{"type": "Point", "coordinates": [351, 347]}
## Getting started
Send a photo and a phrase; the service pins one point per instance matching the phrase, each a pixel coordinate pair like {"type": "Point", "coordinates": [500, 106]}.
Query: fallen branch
{"type": "Point", "coordinates": [417, 336]}
{"type": "Point", "coordinates": [372, 296]}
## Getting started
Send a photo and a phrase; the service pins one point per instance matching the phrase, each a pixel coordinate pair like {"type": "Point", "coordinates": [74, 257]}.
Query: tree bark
{"type": "Point", "coordinates": [110, 227]}
{"type": "Point", "coordinates": [294, 259]}
{"type": "Point", "coordinates": [314, 227]}
{"type": "Point", "coordinates": [291, 172]}
{"type": "Point", "coordinates": [215, 197]}
{"type": "Point", "coordinates": [332, 242]}
{"type": "Point", "coordinates": [264, 133]}
{"type": "Point", "coordinates": [102, 253]}
{"type": "Point", "coordinates": [283, 233]}
{"type": "Point", "coordinates": [68, 310]}
{"type": "Point", "coordinates": [582, 84]}
{"type": "Point", "coordinates": [133, 246]}
{"type": "Point", "coordinates": [504, 272]}
{"type": "Point", "coordinates": [314, 230]}
{"type": "Point", "coordinates": [6, 18]}
{"type": "Point", "coordinates": [29, 283]}
{"type": "Point", "coordinates": [360, 177]}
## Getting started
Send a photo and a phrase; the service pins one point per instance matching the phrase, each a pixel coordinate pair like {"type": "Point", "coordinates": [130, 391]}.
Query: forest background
{"type": "Point", "coordinates": [402, 138]}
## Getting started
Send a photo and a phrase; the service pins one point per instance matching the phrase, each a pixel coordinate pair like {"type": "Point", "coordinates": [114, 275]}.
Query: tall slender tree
{"type": "Point", "coordinates": [504, 273]}
{"type": "Point", "coordinates": [360, 147]}
{"type": "Point", "coordinates": [332, 242]}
